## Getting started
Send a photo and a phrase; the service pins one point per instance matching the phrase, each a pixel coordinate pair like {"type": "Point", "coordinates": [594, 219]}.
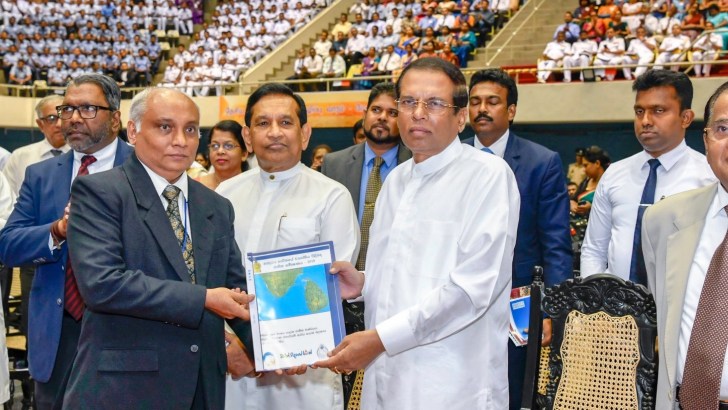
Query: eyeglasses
{"type": "Point", "coordinates": [718, 131]}
{"type": "Point", "coordinates": [50, 119]}
{"type": "Point", "coordinates": [228, 146]}
{"type": "Point", "coordinates": [435, 107]}
{"type": "Point", "coordinates": [87, 112]}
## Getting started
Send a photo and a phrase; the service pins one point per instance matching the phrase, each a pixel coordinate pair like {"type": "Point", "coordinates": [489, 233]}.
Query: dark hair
{"type": "Point", "coordinates": [234, 128]}
{"type": "Point", "coordinates": [318, 147]}
{"type": "Point", "coordinates": [460, 95]}
{"type": "Point", "coordinates": [357, 126]}
{"type": "Point", "coordinates": [594, 154]}
{"type": "Point", "coordinates": [498, 76]}
{"type": "Point", "coordinates": [275, 89]}
{"type": "Point", "coordinates": [711, 102]}
{"type": "Point", "coordinates": [667, 78]}
{"type": "Point", "coordinates": [111, 90]}
{"type": "Point", "coordinates": [580, 151]}
{"type": "Point", "coordinates": [379, 89]}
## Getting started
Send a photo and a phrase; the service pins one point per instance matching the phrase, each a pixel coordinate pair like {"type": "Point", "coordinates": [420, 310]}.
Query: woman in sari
{"type": "Point", "coordinates": [407, 38]}
{"type": "Point", "coordinates": [596, 161]}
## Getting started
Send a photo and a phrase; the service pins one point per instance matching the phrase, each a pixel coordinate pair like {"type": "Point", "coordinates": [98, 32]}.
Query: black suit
{"type": "Point", "coordinates": [147, 340]}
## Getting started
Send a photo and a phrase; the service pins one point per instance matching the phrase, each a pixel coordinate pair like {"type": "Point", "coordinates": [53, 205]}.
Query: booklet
{"type": "Point", "coordinates": [297, 315]}
{"type": "Point", "coordinates": [520, 308]}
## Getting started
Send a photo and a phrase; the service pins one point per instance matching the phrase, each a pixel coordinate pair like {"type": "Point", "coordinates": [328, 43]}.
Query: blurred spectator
{"type": "Point", "coordinates": [358, 132]}
{"type": "Point", "coordinates": [465, 42]}
{"type": "Point", "coordinates": [446, 19]}
{"type": "Point", "coordinates": [314, 64]}
{"type": "Point", "coordinates": [409, 56]}
{"type": "Point", "coordinates": [575, 173]}
{"type": "Point", "coordinates": [448, 55]}
{"type": "Point", "coordinates": [428, 50]}
{"type": "Point", "coordinates": [569, 28]}
{"type": "Point", "coordinates": [58, 75]}
{"type": "Point", "coordinates": [581, 13]}
{"type": "Point", "coordinates": [172, 75]}
{"type": "Point", "coordinates": [641, 51]}
{"type": "Point", "coordinates": [408, 38]}
{"type": "Point", "coordinates": [20, 73]}
{"type": "Point", "coordinates": [429, 20]}
{"type": "Point", "coordinates": [369, 65]}
{"type": "Point", "coordinates": [673, 49]}
{"type": "Point", "coordinates": [125, 76]}
{"type": "Point", "coordinates": [390, 38]}
{"type": "Point", "coordinates": [570, 189]}
{"type": "Point", "coordinates": [706, 48]}
{"type": "Point", "coordinates": [334, 65]}
{"type": "Point", "coordinates": [389, 61]}
{"type": "Point", "coordinates": [343, 26]}
{"type": "Point", "coordinates": [619, 26]}
{"type": "Point", "coordinates": [582, 54]}
{"type": "Point", "coordinates": [553, 56]}
{"type": "Point", "coordinates": [373, 39]}
{"type": "Point", "coordinates": [594, 27]}
{"type": "Point", "coordinates": [429, 36]}
{"type": "Point", "coordinates": [317, 156]}
{"type": "Point", "coordinates": [340, 43]}
{"type": "Point", "coordinates": [633, 13]}
{"type": "Point", "coordinates": [203, 159]}
{"type": "Point", "coordinates": [606, 10]}
{"type": "Point", "coordinates": [693, 23]}
{"type": "Point", "coordinates": [596, 161]}
{"type": "Point", "coordinates": [395, 21]}
{"type": "Point", "coordinates": [445, 37]}
{"type": "Point", "coordinates": [299, 69]}
{"type": "Point", "coordinates": [610, 52]}
{"type": "Point", "coordinates": [323, 44]}
{"type": "Point", "coordinates": [355, 47]}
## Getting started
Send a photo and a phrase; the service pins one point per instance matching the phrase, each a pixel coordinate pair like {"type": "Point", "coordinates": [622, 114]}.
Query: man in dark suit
{"type": "Point", "coordinates": [543, 227]}
{"type": "Point", "coordinates": [353, 167]}
{"type": "Point", "coordinates": [157, 285]}
{"type": "Point", "coordinates": [36, 230]}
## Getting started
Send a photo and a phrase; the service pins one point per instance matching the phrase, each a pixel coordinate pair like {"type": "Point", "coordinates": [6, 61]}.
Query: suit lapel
{"type": "Point", "coordinates": [154, 215]}
{"type": "Point", "coordinates": [403, 154]}
{"type": "Point", "coordinates": [122, 152]}
{"type": "Point", "coordinates": [353, 168]}
{"type": "Point", "coordinates": [201, 224]}
{"type": "Point", "coordinates": [512, 153]}
{"type": "Point", "coordinates": [681, 248]}
{"type": "Point", "coordinates": [61, 188]}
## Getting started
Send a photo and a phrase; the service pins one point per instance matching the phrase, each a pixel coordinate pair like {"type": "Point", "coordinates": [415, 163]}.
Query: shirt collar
{"type": "Point", "coordinates": [498, 147]}
{"type": "Point", "coordinates": [440, 160]}
{"type": "Point", "coordinates": [104, 154]}
{"type": "Point", "coordinates": [668, 159]}
{"type": "Point", "coordinates": [720, 201]}
{"type": "Point", "coordinates": [389, 157]}
{"type": "Point", "coordinates": [46, 147]}
{"type": "Point", "coordinates": [160, 183]}
{"type": "Point", "coordinates": [276, 177]}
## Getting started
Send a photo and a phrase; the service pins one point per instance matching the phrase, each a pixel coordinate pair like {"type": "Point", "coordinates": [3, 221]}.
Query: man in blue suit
{"type": "Point", "coordinates": [36, 230]}
{"type": "Point", "coordinates": [543, 228]}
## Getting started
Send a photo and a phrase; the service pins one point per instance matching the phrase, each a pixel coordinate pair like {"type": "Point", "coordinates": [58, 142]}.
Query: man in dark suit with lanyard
{"type": "Point", "coordinates": [362, 168]}
{"type": "Point", "coordinates": [36, 230]}
{"type": "Point", "coordinates": [157, 284]}
{"type": "Point", "coordinates": [543, 227]}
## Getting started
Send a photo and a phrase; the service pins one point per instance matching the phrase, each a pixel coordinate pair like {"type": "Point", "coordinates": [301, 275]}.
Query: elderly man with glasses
{"type": "Point", "coordinates": [36, 230]}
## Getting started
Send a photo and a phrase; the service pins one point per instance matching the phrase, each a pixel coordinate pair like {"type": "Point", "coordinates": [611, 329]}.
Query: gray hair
{"type": "Point", "coordinates": [139, 104]}
{"type": "Point", "coordinates": [111, 90]}
{"type": "Point", "coordinates": [46, 100]}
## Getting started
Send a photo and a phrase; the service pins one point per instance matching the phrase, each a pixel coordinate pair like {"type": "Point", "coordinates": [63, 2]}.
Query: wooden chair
{"type": "Point", "coordinates": [602, 352]}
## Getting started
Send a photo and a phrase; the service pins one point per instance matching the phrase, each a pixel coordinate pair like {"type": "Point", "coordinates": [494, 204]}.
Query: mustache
{"type": "Point", "coordinates": [481, 116]}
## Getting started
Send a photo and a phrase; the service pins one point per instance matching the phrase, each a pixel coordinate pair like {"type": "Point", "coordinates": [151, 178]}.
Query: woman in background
{"type": "Point", "coordinates": [227, 153]}
{"type": "Point", "coordinates": [596, 161]}
{"type": "Point", "coordinates": [317, 156]}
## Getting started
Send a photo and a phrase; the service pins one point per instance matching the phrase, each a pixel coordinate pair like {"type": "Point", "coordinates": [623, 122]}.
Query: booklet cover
{"type": "Point", "coordinates": [297, 315]}
{"type": "Point", "coordinates": [520, 305]}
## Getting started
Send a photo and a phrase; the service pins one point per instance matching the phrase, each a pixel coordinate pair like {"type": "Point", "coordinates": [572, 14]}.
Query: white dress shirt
{"type": "Point", "coordinates": [438, 279]}
{"type": "Point", "coordinates": [7, 199]}
{"type": "Point", "coordinates": [498, 147]}
{"type": "Point", "coordinates": [716, 225]}
{"type": "Point", "coordinates": [24, 156]}
{"type": "Point", "coordinates": [295, 207]}
{"type": "Point", "coordinates": [104, 160]}
{"type": "Point", "coordinates": [610, 233]}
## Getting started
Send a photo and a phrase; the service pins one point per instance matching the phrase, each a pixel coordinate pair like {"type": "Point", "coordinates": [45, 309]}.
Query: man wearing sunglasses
{"type": "Point", "coordinates": [36, 230]}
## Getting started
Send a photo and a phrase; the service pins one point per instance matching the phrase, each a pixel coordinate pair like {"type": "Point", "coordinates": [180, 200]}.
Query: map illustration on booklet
{"type": "Point", "coordinates": [296, 316]}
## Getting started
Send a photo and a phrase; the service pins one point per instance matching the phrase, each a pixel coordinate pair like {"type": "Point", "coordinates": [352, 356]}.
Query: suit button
{"type": "Point", "coordinates": [59, 302]}
{"type": "Point", "coordinates": [194, 348]}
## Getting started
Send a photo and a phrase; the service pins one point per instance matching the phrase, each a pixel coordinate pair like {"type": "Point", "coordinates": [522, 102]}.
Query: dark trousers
{"type": "Point", "coordinates": [49, 395]}
{"type": "Point", "coordinates": [198, 402]}
{"type": "Point", "coordinates": [27, 272]}
{"type": "Point", "coordinates": [516, 368]}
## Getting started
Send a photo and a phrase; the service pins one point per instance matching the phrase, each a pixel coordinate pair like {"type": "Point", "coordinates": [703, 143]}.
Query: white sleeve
{"type": "Point", "coordinates": [598, 233]}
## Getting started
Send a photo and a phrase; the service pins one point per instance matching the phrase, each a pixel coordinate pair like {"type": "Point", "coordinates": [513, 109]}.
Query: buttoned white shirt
{"type": "Point", "coordinates": [610, 233]}
{"type": "Point", "coordinates": [438, 279]}
{"type": "Point", "coordinates": [716, 225]}
{"type": "Point", "coordinates": [279, 210]}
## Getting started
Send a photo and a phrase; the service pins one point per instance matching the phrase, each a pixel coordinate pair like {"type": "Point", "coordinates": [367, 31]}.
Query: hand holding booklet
{"type": "Point", "coordinates": [296, 316]}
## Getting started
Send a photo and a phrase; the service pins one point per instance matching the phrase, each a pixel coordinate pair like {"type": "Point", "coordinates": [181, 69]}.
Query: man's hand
{"type": "Point", "coordinates": [238, 362]}
{"type": "Point", "coordinates": [351, 281]}
{"type": "Point", "coordinates": [228, 303]}
{"type": "Point", "coordinates": [546, 332]}
{"type": "Point", "coordinates": [355, 352]}
{"type": "Point", "coordinates": [59, 228]}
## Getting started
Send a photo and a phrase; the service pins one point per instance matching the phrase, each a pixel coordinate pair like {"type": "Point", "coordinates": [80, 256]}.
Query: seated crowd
{"type": "Point", "coordinates": [56, 41]}
{"type": "Point", "coordinates": [238, 36]}
{"type": "Point", "coordinates": [385, 38]}
{"type": "Point", "coordinates": [642, 33]}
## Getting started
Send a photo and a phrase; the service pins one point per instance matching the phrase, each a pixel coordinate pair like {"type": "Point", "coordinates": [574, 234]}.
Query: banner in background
{"type": "Point", "coordinates": [325, 110]}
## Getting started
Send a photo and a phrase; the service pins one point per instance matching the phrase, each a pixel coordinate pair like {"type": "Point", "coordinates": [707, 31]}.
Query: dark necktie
{"type": "Point", "coordinates": [74, 303]}
{"type": "Point", "coordinates": [374, 184]}
{"type": "Point", "coordinates": [56, 152]}
{"type": "Point", "coordinates": [637, 272]}
{"type": "Point", "coordinates": [171, 193]}
{"type": "Point", "coordinates": [700, 387]}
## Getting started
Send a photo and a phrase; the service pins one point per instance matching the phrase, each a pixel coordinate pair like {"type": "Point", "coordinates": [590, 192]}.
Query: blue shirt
{"type": "Point", "coordinates": [390, 161]}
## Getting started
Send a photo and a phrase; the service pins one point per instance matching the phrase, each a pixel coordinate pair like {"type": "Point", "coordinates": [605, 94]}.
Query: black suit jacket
{"type": "Point", "coordinates": [147, 340]}
{"type": "Point", "coordinates": [345, 167]}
